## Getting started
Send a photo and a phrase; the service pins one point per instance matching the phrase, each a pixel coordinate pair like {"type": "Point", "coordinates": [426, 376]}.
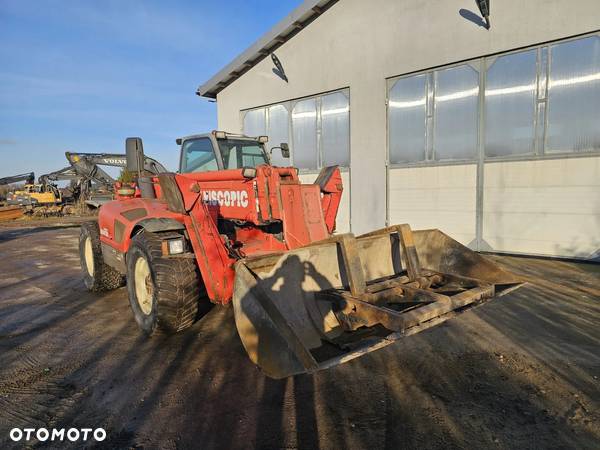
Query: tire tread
{"type": "Point", "coordinates": [177, 286]}
{"type": "Point", "coordinates": [105, 277]}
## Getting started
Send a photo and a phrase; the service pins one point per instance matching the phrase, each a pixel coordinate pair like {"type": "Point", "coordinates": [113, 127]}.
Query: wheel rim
{"type": "Point", "coordinates": [88, 252]}
{"type": "Point", "coordinates": [143, 285]}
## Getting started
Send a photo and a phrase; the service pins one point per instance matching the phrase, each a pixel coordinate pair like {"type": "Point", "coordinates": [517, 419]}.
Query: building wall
{"type": "Point", "coordinates": [359, 45]}
{"type": "Point", "coordinates": [441, 197]}
{"type": "Point", "coordinates": [545, 207]}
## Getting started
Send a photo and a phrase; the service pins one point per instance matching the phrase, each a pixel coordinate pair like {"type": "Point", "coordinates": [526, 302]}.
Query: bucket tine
{"type": "Point", "coordinates": [410, 252]}
{"type": "Point", "coordinates": [354, 271]}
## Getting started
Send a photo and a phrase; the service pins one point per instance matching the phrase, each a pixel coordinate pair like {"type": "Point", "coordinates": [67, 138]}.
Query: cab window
{"type": "Point", "coordinates": [238, 153]}
{"type": "Point", "coordinates": [198, 156]}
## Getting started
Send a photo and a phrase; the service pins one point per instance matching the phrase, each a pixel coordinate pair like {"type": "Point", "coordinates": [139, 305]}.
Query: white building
{"type": "Point", "coordinates": [492, 136]}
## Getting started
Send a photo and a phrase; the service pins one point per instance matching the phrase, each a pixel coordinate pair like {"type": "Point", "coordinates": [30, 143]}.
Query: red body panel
{"type": "Point", "coordinates": [116, 229]}
{"type": "Point", "coordinates": [229, 216]}
{"type": "Point", "coordinates": [303, 220]}
{"type": "Point", "coordinates": [332, 196]}
{"type": "Point", "coordinates": [216, 266]}
{"type": "Point", "coordinates": [254, 200]}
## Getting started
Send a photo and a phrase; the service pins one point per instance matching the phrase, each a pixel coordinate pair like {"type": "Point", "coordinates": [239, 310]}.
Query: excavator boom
{"type": "Point", "coordinates": [29, 178]}
{"type": "Point", "coordinates": [96, 184]}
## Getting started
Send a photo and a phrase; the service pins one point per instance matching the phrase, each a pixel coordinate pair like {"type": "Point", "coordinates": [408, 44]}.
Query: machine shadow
{"type": "Point", "coordinates": [274, 316]}
{"type": "Point", "coordinates": [8, 235]}
{"type": "Point", "coordinates": [452, 386]}
{"type": "Point", "coordinates": [289, 402]}
{"type": "Point", "coordinates": [474, 382]}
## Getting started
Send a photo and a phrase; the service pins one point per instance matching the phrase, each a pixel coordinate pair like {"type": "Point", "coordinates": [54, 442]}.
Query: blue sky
{"type": "Point", "coordinates": [84, 75]}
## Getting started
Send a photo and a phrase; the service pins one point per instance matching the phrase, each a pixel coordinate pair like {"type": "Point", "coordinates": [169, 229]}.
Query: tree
{"type": "Point", "coordinates": [125, 176]}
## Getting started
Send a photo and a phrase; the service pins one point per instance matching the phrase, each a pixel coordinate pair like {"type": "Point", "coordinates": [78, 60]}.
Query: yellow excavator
{"type": "Point", "coordinates": [31, 194]}
{"type": "Point", "coordinates": [35, 195]}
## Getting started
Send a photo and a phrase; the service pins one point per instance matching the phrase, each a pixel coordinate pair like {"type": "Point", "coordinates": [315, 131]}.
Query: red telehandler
{"type": "Point", "coordinates": [231, 228]}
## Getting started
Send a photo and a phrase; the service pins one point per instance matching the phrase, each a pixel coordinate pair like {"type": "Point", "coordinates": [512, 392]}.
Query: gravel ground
{"type": "Point", "coordinates": [522, 371]}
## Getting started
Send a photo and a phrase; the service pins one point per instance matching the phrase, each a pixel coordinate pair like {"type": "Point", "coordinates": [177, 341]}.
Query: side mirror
{"type": "Point", "coordinates": [134, 152]}
{"type": "Point", "coordinates": [285, 149]}
{"type": "Point", "coordinates": [178, 141]}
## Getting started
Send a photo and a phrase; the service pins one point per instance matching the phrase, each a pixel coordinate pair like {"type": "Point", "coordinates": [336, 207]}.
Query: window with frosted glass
{"type": "Point", "coordinates": [510, 105]}
{"type": "Point", "coordinates": [278, 133]}
{"type": "Point", "coordinates": [304, 134]}
{"type": "Point", "coordinates": [574, 96]}
{"type": "Point", "coordinates": [407, 119]}
{"type": "Point", "coordinates": [456, 113]}
{"type": "Point", "coordinates": [335, 130]}
{"type": "Point", "coordinates": [255, 123]}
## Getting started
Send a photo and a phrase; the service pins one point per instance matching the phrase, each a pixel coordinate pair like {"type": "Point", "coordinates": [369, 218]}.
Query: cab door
{"type": "Point", "coordinates": [199, 155]}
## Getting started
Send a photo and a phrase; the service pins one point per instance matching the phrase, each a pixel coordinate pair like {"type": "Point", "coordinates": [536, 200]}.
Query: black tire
{"type": "Point", "coordinates": [100, 276]}
{"type": "Point", "coordinates": [173, 287]}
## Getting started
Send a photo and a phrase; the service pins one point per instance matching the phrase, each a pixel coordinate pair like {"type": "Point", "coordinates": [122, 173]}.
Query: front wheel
{"type": "Point", "coordinates": [163, 292]}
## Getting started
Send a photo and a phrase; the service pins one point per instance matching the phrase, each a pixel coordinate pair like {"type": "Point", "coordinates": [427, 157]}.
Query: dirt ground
{"type": "Point", "coordinates": [522, 371]}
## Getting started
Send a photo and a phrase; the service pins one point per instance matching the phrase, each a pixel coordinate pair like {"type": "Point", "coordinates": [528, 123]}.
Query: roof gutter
{"type": "Point", "coordinates": [267, 44]}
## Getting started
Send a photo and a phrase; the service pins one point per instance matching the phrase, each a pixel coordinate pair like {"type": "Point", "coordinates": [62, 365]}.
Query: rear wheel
{"type": "Point", "coordinates": [97, 275]}
{"type": "Point", "coordinates": [163, 292]}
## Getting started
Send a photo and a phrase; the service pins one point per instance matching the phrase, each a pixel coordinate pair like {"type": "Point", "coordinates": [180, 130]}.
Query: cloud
{"type": "Point", "coordinates": [7, 142]}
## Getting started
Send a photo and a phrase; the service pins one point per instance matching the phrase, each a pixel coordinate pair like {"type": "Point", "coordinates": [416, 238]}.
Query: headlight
{"type": "Point", "coordinates": [176, 246]}
{"type": "Point", "coordinates": [248, 172]}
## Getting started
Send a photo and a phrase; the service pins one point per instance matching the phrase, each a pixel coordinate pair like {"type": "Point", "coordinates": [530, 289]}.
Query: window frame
{"type": "Point", "coordinates": [488, 63]}
{"type": "Point", "coordinates": [216, 152]}
{"type": "Point", "coordinates": [485, 62]}
{"type": "Point", "coordinates": [268, 125]}
{"type": "Point", "coordinates": [238, 161]}
{"type": "Point", "coordinates": [289, 106]}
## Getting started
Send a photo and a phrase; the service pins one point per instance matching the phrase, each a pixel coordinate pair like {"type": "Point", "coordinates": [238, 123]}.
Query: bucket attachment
{"type": "Point", "coordinates": [327, 303]}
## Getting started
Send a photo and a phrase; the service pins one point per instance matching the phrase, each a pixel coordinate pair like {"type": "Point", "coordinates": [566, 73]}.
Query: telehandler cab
{"type": "Point", "coordinates": [230, 228]}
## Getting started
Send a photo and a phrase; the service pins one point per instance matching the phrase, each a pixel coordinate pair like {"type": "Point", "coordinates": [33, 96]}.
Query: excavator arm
{"type": "Point", "coordinates": [64, 174]}
{"type": "Point", "coordinates": [29, 178]}
{"type": "Point", "coordinates": [87, 161]}
{"type": "Point", "coordinates": [87, 167]}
